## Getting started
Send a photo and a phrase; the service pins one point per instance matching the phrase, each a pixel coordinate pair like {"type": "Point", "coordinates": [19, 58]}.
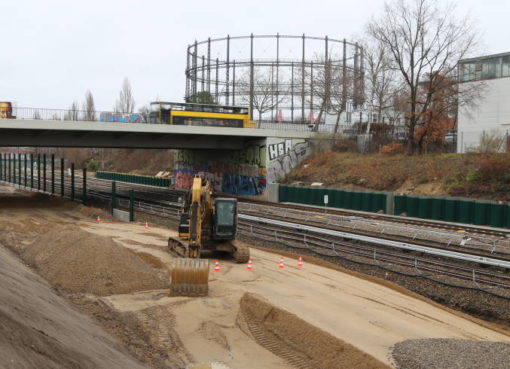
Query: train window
{"type": "Point", "coordinates": [213, 122]}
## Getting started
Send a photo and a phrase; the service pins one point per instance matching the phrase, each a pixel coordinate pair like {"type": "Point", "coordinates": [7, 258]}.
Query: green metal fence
{"type": "Point", "coordinates": [487, 213]}
{"type": "Point", "coordinates": [143, 180]}
{"type": "Point", "coordinates": [346, 199]}
{"type": "Point", "coordinates": [456, 210]}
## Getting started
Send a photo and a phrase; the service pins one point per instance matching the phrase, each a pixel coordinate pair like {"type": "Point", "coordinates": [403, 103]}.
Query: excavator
{"type": "Point", "coordinates": [206, 223]}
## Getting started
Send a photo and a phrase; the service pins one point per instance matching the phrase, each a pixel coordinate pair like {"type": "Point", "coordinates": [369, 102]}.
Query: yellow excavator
{"type": "Point", "coordinates": [206, 223]}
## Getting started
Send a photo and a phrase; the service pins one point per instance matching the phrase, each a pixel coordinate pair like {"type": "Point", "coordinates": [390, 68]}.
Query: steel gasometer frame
{"type": "Point", "coordinates": [298, 82]}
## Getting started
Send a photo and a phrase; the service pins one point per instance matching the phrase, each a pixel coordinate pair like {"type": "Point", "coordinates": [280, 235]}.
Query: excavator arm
{"type": "Point", "coordinates": [190, 275]}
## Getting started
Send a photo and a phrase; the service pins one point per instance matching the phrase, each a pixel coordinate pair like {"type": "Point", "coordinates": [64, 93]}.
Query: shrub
{"type": "Point", "coordinates": [345, 145]}
{"type": "Point", "coordinates": [493, 169]}
{"type": "Point", "coordinates": [422, 180]}
{"type": "Point", "coordinates": [93, 165]}
{"type": "Point", "coordinates": [392, 148]}
{"type": "Point", "coordinates": [491, 142]}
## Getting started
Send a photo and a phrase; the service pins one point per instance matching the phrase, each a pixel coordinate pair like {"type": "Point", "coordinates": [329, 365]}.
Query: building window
{"type": "Point", "coordinates": [490, 69]}
{"type": "Point", "coordinates": [484, 69]}
{"type": "Point", "coordinates": [505, 66]}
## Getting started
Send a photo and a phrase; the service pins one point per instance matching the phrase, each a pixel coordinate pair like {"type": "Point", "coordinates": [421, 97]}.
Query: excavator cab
{"type": "Point", "coordinates": [225, 219]}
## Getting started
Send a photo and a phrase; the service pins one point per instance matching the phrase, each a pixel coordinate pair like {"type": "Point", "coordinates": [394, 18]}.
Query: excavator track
{"type": "Point", "coordinates": [177, 247]}
{"type": "Point", "coordinates": [190, 276]}
{"type": "Point", "coordinates": [241, 254]}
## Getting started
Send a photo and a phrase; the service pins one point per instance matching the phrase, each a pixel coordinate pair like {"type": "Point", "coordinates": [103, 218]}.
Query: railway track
{"type": "Point", "coordinates": [475, 255]}
{"type": "Point", "coordinates": [391, 218]}
{"type": "Point", "coordinates": [459, 240]}
{"type": "Point", "coordinates": [331, 245]}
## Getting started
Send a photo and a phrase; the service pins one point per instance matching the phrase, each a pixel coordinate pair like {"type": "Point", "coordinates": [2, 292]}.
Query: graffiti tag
{"type": "Point", "coordinates": [279, 149]}
{"type": "Point", "coordinates": [120, 118]}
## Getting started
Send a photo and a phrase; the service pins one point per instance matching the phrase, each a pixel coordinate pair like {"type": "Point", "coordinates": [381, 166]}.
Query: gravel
{"type": "Point", "coordinates": [443, 353]}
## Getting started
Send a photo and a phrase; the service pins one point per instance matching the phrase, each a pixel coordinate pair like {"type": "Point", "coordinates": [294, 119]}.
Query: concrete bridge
{"type": "Point", "coordinates": [47, 133]}
{"type": "Point", "coordinates": [241, 161]}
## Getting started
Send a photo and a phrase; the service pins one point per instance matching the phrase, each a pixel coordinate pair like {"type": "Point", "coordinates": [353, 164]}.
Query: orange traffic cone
{"type": "Point", "coordinates": [250, 265]}
{"type": "Point", "coordinates": [300, 262]}
{"type": "Point", "coordinates": [146, 226]}
{"type": "Point", "coordinates": [98, 219]}
{"type": "Point", "coordinates": [216, 266]}
{"type": "Point", "coordinates": [282, 264]}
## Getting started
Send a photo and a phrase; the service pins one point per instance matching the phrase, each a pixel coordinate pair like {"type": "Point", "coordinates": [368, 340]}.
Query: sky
{"type": "Point", "coordinates": [53, 51]}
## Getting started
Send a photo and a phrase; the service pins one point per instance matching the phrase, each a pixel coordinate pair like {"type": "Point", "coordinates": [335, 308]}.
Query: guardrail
{"type": "Point", "coordinates": [80, 116]}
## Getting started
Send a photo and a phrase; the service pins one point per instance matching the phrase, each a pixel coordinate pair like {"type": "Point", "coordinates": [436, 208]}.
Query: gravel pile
{"type": "Point", "coordinates": [443, 353]}
{"type": "Point", "coordinates": [78, 261]}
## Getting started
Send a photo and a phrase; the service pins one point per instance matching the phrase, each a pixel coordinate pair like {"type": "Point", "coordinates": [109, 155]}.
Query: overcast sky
{"type": "Point", "coordinates": [54, 50]}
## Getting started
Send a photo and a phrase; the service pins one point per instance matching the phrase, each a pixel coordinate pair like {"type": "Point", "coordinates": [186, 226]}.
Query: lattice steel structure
{"type": "Point", "coordinates": [280, 77]}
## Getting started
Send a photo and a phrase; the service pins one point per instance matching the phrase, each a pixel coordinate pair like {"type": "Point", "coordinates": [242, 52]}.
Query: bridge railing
{"type": "Point", "coordinates": [77, 115]}
{"type": "Point", "coordinates": [83, 116]}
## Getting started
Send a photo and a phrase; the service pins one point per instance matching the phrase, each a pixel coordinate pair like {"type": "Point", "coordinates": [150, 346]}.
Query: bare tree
{"type": "Point", "coordinates": [125, 103]}
{"type": "Point", "coordinates": [382, 82]}
{"type": "Point", "coordinates": [331, 88]}
{"type": "Point", "coordinates": [73, 112]}
{"type": "Point", "coordinates": [144, 112]}
{"type": "Point", "coordinates": [89, 107]}
{"type": "Point", "coordinates": [340, 92]}
{"type": "Point", "coordinates": [264, 99]}
{"type": "Point", "coordinates": [423, 41]}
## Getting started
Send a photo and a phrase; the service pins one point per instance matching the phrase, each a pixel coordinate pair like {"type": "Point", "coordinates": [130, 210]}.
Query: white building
{"type": "Point", "coordinates": [488, 116]}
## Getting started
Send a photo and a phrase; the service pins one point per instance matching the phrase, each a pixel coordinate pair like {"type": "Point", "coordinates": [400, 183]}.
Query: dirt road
{"type": "Point", "coordinates": [264, 318]}
{"type": "Point", "coordinates": [370, 316]}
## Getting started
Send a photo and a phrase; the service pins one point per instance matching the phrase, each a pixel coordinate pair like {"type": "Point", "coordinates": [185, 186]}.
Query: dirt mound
{"type": "Point", "coordinates": [297, 341]}
{"type": "Point", "coordinates": [78, 261]}
{"type": "Point", "coordinates": [92, 212]}
{"type": "Point", "coordinates": [40, 330]}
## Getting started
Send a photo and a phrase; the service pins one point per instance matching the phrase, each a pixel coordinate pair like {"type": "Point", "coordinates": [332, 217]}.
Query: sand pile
{"type": "Point", "coordinates": [40, 330]}
{"type": "Point", "coordinates": [300, 343]}
{"type": "Point", "coordinates": [78, 261]}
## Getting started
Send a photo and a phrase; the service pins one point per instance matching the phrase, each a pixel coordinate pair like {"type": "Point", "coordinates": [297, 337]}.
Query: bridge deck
{"type": "Point", "coordinates": [46, 133]}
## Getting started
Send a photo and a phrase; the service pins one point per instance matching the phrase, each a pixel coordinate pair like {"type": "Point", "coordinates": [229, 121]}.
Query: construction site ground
{"type": "Point", "coordinates": [99, 298]}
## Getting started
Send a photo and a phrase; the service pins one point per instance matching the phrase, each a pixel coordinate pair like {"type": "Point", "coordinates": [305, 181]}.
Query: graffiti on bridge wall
{"type": "Point", "coordinates": [183, 178]}
{"type": "Point", "coordinates": [285, 156]}
{"type": "Point", "coordinates": [243, 185]}
{"type": "Point", "coordinates": [121, 118]}
{"type": "Point", "coordinates": [280, 149]}
{"type": "Point", "coordinates": [240, 172]}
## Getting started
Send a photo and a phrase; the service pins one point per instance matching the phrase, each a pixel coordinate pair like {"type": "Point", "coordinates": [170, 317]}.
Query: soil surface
{"type": "Point", "coordinates": [39, 329]}
{"type": "Point", "coordinates": [264, 318]}
{"type": "Point", "coordinates": [479, 176]}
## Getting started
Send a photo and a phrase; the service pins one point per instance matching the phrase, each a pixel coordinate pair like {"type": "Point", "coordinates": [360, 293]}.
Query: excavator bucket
{"type": "Point", "coordinates": [190, 277]}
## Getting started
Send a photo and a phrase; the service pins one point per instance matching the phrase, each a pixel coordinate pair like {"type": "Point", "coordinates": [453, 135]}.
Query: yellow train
{"type": "Point", "coordinates": [190, 114]}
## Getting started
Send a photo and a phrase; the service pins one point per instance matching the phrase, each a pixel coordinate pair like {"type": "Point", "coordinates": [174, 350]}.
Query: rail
{"type": "Point", "coordinates": [384, 242]}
